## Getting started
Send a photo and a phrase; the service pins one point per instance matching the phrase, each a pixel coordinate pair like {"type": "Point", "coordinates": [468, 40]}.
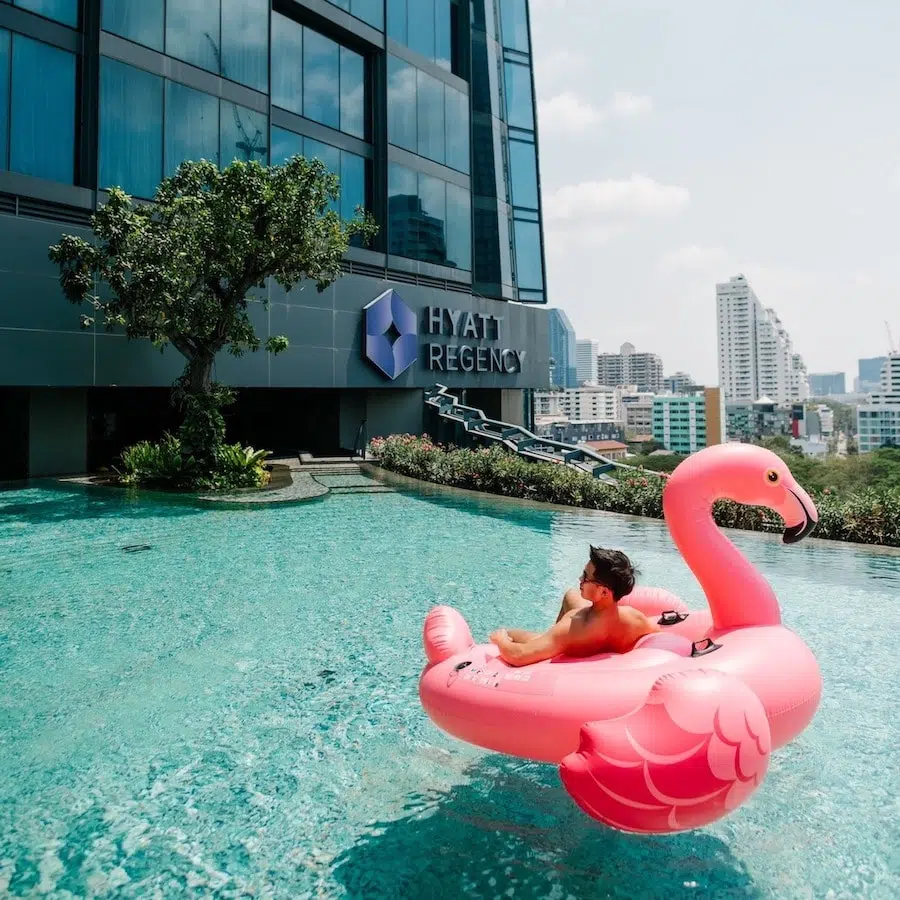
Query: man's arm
{"type": "Point", "coordinates": [540, 647]}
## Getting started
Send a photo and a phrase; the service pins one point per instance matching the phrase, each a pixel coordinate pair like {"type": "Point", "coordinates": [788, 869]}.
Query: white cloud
{"type": "Point", "coordinates": [693, 258]}
{"type": "Point", "coordinates": [861, 279]}
{"type": "Point", "coordinates": [567, 112]}
{"type": "Point", "coordinates": [637, 196]}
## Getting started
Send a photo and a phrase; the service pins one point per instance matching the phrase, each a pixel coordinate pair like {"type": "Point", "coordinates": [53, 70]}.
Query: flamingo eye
{"type": "Point", "coordinates": [772, 476]}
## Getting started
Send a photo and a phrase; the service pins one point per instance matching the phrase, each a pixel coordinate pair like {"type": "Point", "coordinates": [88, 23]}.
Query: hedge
{"type": "Point", "coordinates": [866, 517]}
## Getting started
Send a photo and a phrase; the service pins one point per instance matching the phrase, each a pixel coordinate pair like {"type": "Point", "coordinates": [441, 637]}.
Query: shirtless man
{"type": "Point", "coordinates": [590, 620]}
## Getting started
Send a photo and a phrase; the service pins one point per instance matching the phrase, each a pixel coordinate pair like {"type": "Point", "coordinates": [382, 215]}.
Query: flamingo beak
{"type": "Point", "coordinates": [800, 515]}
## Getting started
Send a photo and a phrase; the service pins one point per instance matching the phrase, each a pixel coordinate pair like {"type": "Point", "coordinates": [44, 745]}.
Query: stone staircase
{"type": "Point", "coordinates": [341, 475]}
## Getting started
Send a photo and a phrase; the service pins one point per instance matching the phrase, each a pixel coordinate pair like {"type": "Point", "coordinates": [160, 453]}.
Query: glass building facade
{"type": "Point", "coordinates": [423, 108]}
{"type": "Point", "coordinates": [563, 371]}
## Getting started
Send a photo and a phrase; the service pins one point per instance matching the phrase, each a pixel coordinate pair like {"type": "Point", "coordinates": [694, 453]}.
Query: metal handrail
{"type": "Point", "coordinates": [359, 449]}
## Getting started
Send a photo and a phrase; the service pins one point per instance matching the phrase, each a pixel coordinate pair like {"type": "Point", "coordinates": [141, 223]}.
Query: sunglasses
{"type": "Point", "coordinates": [584, 579]}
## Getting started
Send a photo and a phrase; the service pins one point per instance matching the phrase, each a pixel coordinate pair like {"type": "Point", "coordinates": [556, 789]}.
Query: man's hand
{"type": "Point", "coordinates": [544, 646]}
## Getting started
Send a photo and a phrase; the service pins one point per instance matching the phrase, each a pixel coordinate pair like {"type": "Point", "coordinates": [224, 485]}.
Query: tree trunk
{"type": "Point", "coordinates": [198, 374]}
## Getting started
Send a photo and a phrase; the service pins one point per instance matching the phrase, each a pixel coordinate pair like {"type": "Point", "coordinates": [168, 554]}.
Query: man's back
{"type": "Point", "coordinates": [587, 631]}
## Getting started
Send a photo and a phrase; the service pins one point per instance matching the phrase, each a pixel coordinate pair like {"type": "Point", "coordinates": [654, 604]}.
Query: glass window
{"type": "Point", "coordinates": [523, 174]}
{"type": "Point", "coordinates": [245, 42]}
{"type": "Point", "coordinates": [191, 127]}
{"type": "Point", "coordinates": [321, 78]}
{"type": "Point", "coordinates": [420, 21]}
{"type": "Point", "coordinates": [353, 184]}
{"type": "Point", "coordinates": [142, 22]}
{"type": "Point", "coordinates": [529, 266]}
{"type": "Point", "coordinates": [65, 11]}
{"type": "Point", "coordinates": [432, 223]}
{"type": "Point", "coordinates": [403, 211]}
{"type": "Point", "coordinates": [505, 245]}
{"type": "Point", "coordinates": [457, 128]}
{"type": "Point", "coordinates": [329, 155]}
{"type": "Point", "coordinates": [42, 111]}
{"type": "Point", "coordinates": [353, 93]}
{"type": "Point", "coordinates": [396, 21]}
{"type": "Point", "coordinates": [459, 227]}
{"type": "Point", "coordinates": [242, 134]}
{"type": "Point", "coordinates": [287, 64]}
{"type": "Point", "coordinates": [4, 98]}
{"type": "Point", "coordinates": [370, 11]}
{"type": "Point", "coordinates": [285, 144]}
{"type": "Point", "coordinates": [519, 109]}
{"type": "Point", "coordinates": [192, 32]}
{"type": "Point", "coordinates": [401, 104]}
{"type": "Point", "coordinates": [442, 39]}
{"type": "Point", "coordinates": [430, 116]}
{"type": "Point", "coordinates": [514, 16]}
{"type": "Point", "coordinates": [131, 146]}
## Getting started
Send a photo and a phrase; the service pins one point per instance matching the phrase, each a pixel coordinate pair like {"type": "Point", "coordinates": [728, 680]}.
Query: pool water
{"type": "Point", "coordinates": [233, 712]}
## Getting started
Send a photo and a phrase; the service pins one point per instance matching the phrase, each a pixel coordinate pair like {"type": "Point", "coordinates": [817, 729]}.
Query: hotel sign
{"type": "Point", "coordinates": [391, 339]}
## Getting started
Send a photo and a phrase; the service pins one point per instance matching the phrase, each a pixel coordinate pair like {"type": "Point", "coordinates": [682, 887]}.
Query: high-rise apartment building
{"type": "Point", "coordinates": [586, 361]}
{"type": "Point", "coordinates": [644, 370]}
{"type": "Point", "coordinates": [678, 383]}
{"type": "Point", "coordinates": [690, 422]}
{"type": "Point", "coordinates": [826, 384]}
{"type": "Point", "coordinates": [563, 353]}
{"type": "Point", "coordinates": [425, 110]}
{"type": "Point", "coordinates": [756, 355]}
{"type": "Point", "coordinates": [878, 421]}
{"type": "Point", "coordinates": [869, 376]}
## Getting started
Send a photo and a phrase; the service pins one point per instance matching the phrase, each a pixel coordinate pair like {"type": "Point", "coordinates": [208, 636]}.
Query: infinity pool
{"type": "Point", "coordinates": [233, 712]}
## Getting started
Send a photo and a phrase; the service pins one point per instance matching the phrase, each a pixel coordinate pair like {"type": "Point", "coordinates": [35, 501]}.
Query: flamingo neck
{"type": "Point", "coordinates": [737, 593]}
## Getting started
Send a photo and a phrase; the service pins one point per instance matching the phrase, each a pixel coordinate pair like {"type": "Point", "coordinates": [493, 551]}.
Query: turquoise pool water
{"type": "Point", "coordinates": [233, 712]}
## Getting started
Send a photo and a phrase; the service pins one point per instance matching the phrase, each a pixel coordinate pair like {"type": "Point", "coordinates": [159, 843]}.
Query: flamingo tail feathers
{"type": "Point", "coordinates": [693, 753]}
{"type": "Point", "coordinates": [445, 634]}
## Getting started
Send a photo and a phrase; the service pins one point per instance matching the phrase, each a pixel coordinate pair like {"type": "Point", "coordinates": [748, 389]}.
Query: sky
{"type": "Point", "coordinates": [685, 141]}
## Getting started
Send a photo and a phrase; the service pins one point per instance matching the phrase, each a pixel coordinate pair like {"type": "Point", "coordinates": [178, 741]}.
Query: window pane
{"type": "Point", "coordinates": [523, 174]}
{"type": "Point", "coordinates": [192, 32]}
{"type": "Point", "coordinates": [370, 11]}
{"type": "Point", "coordinates": [442, 33]}
{"type": "Point", "coordinates": [505, 244]}
{"type": "Point", "coordinates": [403, 211]}
{"type": "Point", "coordinates": [432, 240]}
{"type": "Point", "coordinates": [402, 104]}
{"type": "Point", "coordinates": [243, 134]}
{"type": "Point", "coordinates": [65, 11]}
{"type": "Point", "coordinates": [430, 115]}
{"type": "Point", "coordinates": [396, 21]}
{"type": "Point", "coordinates": [519, 111]}
{"type": "Point", "coordinates": [4, 98]}
{"type": "Point", "coordinates": [457, 128]}
{"type": "Point", "coordinates": [529, 268]}
{"type": "Point", "coordinates": [139, 22]}
{"type": "Point", "coordinates": [353, 184]}
{"type": "Point", "coordinates": [42, 111]}
{"type": "Point", "coordinates": [131, 145]}
{"type": "Point", "coordinates": [287, 64]}
{"type": "Point", "coordinates": [420, 16]}
{"type": "Point", "coordinates": [459, 227]}
{"type": "Point", "coordinates": [329, 155]}
{"type": "Point", "coordinates": [321, 72]}
{"type": "Point", "coordinates": [285, 144]}
{"type": "Point", "coordinates": [245, 47]}
{"type": "Point", "coordinates": [192, 126]}
{"type": "Point", "coordinates": [515, 24]}
{"type": "Point", "coordinates": [353, 93]}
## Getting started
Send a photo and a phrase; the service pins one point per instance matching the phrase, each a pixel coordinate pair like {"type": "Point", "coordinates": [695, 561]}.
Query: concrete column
{"type": "Point", "coordinates": [512, 408]}
{"type": "Point", "coordinates": [395, 412]}
{"type": "Point", "coordinates": [57, 432]}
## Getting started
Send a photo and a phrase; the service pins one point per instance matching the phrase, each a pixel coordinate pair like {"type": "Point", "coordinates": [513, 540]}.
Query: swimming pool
{"type": "Point", "coordinates": [233, 711]}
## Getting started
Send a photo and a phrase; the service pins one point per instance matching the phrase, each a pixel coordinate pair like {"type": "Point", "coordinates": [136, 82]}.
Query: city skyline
{"type": "Point", "coordinates": [660, 181]}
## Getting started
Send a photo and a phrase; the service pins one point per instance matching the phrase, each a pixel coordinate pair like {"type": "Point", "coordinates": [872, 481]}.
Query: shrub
{"type": "Point", "coordinates": [167, 465]}
{"type": "Point", "coordinates": [869, 516]}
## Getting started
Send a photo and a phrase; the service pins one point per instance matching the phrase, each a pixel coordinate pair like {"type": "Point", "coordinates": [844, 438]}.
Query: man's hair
{"type": "Point", "coordinates": [613, 569]}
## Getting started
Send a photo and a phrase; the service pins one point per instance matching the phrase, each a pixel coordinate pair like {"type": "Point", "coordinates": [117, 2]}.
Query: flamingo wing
{"type": "Point", "coordinates": [693, 753]}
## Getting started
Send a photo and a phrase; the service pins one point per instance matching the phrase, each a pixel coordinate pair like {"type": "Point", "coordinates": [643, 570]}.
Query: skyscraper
{"type": "Point", "coordinates": [423, 108]}
{"type": "Point", "coordinates": [630, 368]}
{"type": "Point", "coordinates": [756, 355]}
{"type": "Point", "coordinates": [870, 374]}
{"type": "Point", "coordinates": [824, 384]}
{"type": "Point", "coordinates": [564, 372]}
{"type": "Point", "coordinates": [586, 361]}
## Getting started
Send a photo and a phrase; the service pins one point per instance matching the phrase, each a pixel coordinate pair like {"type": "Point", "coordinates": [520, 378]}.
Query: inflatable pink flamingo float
{"type": "Point", "coordinates": [677, 732]}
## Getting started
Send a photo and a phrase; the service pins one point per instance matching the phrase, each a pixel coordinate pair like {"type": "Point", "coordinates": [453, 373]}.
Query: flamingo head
{"type": "Point", "coordinates": [755, 476]}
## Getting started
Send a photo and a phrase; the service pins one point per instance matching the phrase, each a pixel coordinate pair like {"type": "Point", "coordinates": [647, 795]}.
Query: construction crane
{"type": "Point", "coordinates": [891, 348]}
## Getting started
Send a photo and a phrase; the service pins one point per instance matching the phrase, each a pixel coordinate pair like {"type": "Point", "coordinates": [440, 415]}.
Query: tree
{"type": "Point", "coordinates": [179, 270]}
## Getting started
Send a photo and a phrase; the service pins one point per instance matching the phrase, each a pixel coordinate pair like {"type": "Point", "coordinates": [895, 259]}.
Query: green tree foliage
{"type": "Point", "coordinates": [181, 270]}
